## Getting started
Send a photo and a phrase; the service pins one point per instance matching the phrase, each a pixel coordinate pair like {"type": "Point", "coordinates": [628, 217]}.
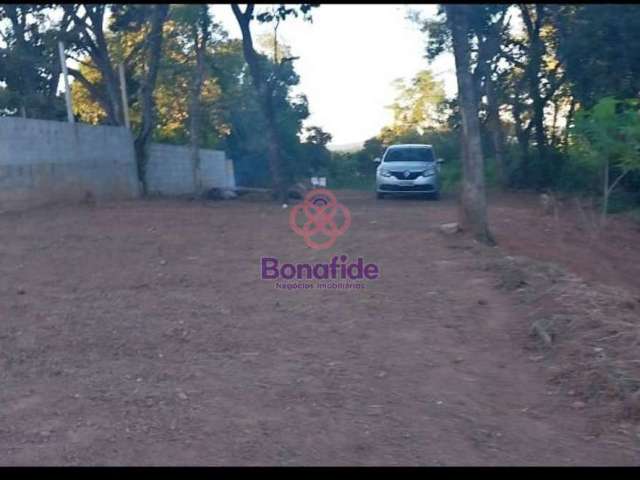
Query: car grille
{"type": "Point", "coordinates": [400, 175]}
{"type": "Point", "coordinates": [407, 188]}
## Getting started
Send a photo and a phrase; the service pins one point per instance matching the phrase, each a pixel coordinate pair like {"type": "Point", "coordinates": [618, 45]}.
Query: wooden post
{"type": "Point", "coordinates": [123, 92]}
{"type": "Point", "coordinates": [65, 74]}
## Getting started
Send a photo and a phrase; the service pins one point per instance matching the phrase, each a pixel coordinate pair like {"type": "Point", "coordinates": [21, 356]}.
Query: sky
{"type": "Point", "coordinates": [349, 56]}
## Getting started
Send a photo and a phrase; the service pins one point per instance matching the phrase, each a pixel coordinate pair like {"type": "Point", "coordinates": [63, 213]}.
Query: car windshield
{"type": "Point", "coordinates": [409, 155]}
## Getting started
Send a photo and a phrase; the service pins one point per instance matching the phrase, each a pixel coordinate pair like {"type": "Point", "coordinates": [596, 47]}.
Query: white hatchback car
{"type": "Point", "coordinates": [408, 168]}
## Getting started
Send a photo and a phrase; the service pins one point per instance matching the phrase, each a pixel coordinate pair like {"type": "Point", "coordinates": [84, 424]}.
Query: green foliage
{"type": "Point", "coordinates": [606, 138]}
{"type": "Point", "coordinates": [244, 124]}
{"type": "Point", "coordinates": [29, 65]}
{"type": "Point", "coordinates": [357, 169]}
{"type": "Point", "coordinates": [345, 171]}
{"type": "Point", "coordinates": [231, 115]}
{"type": "Point", "coordinates": [417, 104]}
{"type": "Point", "coordinates": [451, 174]}
{"type": "Point", "coordinates": [623, 201]}
{"type": "Point", "coordinates": [608, 133]}
{"type": "Point", "coordinates": [599, 46]}
{"type": "Point", "coordinates": [420, 115]}
{"type": "Point", "coordinates": [281, 11]}
{"type": "Point", "coordinates": [314, 155]}
{"type": "Point", "coordinates": [581, 55]}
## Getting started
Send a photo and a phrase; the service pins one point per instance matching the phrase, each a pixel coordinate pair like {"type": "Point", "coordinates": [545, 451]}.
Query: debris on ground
{"type": "Point", "coordinates": [593, 340]}
{"type": "Point", "coordinates": [299, 190]}
{"type": "Point", "coordinates": [220, 194]}
{"type": "Point", "coordinates": [450, 228]}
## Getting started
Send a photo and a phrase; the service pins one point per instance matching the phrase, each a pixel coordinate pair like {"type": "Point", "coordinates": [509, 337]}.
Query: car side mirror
{"type": "Point", "coordinates": [440, 160]}
{"type": "Point", "coordinates": [377, 160]}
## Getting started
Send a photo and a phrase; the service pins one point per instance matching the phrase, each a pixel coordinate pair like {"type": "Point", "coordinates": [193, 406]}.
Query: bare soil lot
{"type": "Point", "coordinates": [140, 333]}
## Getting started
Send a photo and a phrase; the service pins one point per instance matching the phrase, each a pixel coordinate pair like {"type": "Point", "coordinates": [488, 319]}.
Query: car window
{"type": "Point", "coordinates": [410, 155]}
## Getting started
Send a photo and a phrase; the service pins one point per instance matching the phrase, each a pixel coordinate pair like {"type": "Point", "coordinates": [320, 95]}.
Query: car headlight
{"type": "Point", "coordinates": [428, 171]}
{"type": "Point", "coordinates": [385, 173]}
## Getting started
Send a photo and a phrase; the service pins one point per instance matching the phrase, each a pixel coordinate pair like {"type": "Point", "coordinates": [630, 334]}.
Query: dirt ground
{"type": "Point", "coordinates": [570, 237]}
{"type": "Point", "coordinates": [140, 333]}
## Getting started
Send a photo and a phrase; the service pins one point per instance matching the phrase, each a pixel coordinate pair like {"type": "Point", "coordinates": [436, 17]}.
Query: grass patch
{"type": "Point", "coordinates": [351, 183]}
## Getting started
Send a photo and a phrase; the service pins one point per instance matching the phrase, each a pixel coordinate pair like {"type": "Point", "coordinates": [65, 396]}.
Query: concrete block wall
{"type": "Point", "coordinates": [213, 169]}
{"type": "Point", "coordinates": [44, 161]}
{"type": "Point", "coordinates": [170, 172]}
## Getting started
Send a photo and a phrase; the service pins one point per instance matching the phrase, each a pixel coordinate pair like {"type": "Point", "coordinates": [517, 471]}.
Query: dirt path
{"type": "Point", "coordinates": [140, 333]}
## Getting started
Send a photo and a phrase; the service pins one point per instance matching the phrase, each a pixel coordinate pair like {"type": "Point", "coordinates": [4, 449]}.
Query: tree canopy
{"type": "Point", "coordinates": [538, 72]}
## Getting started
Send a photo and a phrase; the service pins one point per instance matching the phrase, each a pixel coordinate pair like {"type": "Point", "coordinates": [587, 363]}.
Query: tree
{"type": "Point", "coordinates": [85, 107]}
{"type": "Point", "coordinates": [174, 85]}
{"type": "Point", "coordinates": [134, 39]}
{"type": "Point", "coordinates": [315, 151]}
{"type": "Point", "coordinates": [239, 124]}
{"type": "Point", "coordinates": [29, 63]}
{"type": "Point", "coordinates": [196, 29]}
{"type": "Point", "coordinates": [83, 31]}
{"type": "Point", "coordinates": [491, 27]}
{"type": "Point", "coordinates": [318, 136]}
{"type": "Point", "coordinates": [599, 46]}
{"type": "Point", "coordinates": [265, 81]}
{"type": "Point", "coordinates": [488, 27]}
{"type": "Point", "coordinates": [473, 196]}
{"type": "Point", "coordinates": [151, 20]}
{"type": "Point", "coordinates": [273, 46]}
{"type": "Point", "coordinates": [536, 77]}
{"type": "Point", "coordinates": [607, 138]}
{"type": "Point", "coordinates": [416, 106]}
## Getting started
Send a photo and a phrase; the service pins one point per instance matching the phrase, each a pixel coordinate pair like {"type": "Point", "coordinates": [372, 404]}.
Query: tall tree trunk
{"type": "Point", "coordinates": [112, 85]}
{"type": "Point", "coordinates": [158, 17]}
{"type": "Point", "coordinates": [538, 116]}
{"type": "Point", "coordinates": [522, 135]}
{"type": "Point", "coordinates": [200, 38]}
{"type": "Point", "coordinates": [98, 95]}
{"type": "Point", "coordinates": [497, 135]}
{"type": "Point", "coordinates": [553, 138]}
{"type": "Point", "coordinates": [103, 61]}
{"type": "Point", "coordinates": [274, 151]}
{"type": "Point", "coordinates": [488, 49]}
{"type": "Point", "coordinates": [494, 125]}
{"type": "Point", "coordinates": [473, 196]}
{"type": "Point", "coordinates": [536, 51]}
{"type": "Point", "coordinates": [110, 99]}
{"type": "Point", "coordinates": [542, 176]}
{"type": "Point", "coordinates": [195, 122]}
{"type": "Point", "coordinates": [605, 193]}
{"type": "Point", "coordinates": [565, 141]}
